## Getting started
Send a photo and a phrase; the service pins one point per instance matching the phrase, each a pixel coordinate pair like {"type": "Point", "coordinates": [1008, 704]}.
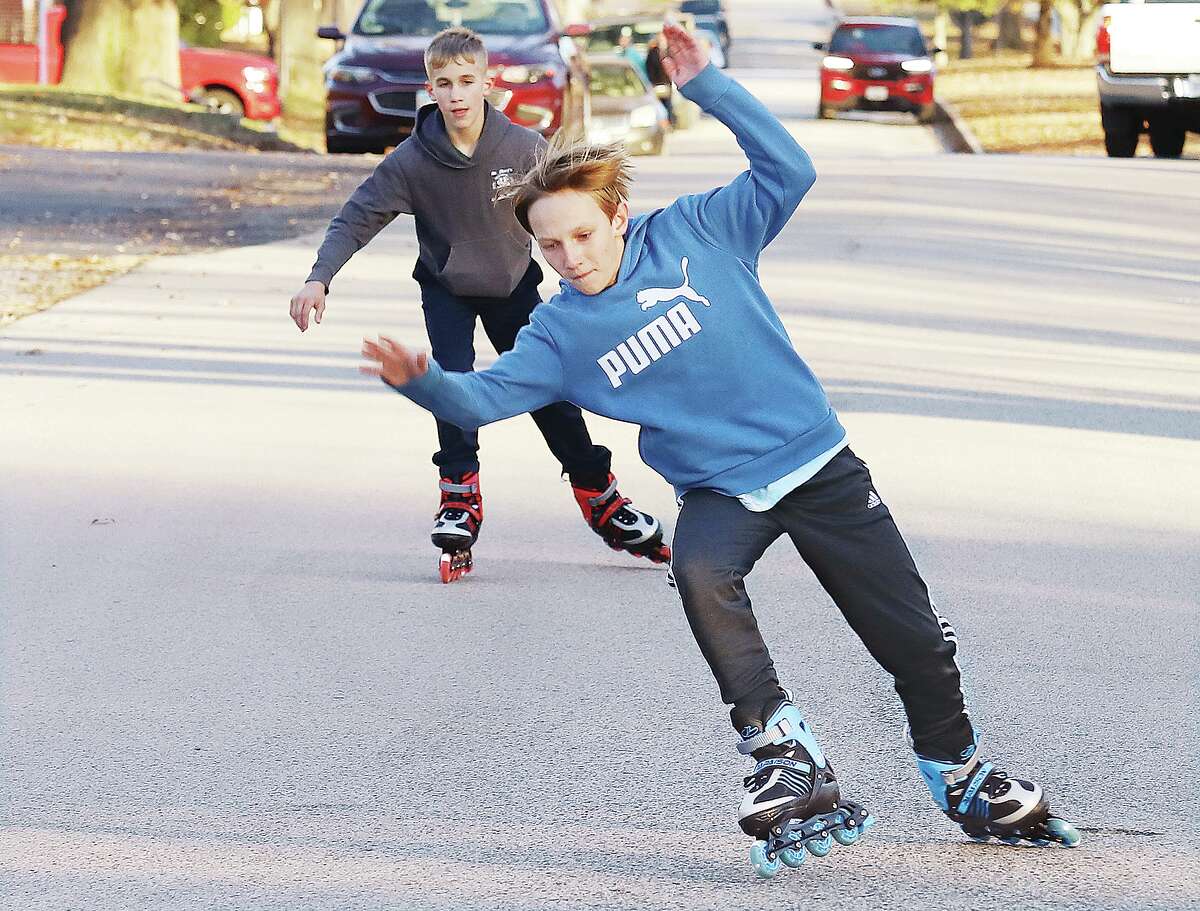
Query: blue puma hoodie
{"type": "Point", "coordinates": [686, 343]}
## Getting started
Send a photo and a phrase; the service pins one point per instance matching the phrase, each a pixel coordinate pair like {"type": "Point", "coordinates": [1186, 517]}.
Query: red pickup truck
{"type": "Point", "coordinates": [231, 82]}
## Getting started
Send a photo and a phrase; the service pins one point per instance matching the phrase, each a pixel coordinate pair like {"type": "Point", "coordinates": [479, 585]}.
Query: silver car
{"type": "Point", "coordinates": [624, 107]}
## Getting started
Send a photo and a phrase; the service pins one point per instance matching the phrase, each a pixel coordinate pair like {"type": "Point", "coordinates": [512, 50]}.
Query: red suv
{"type": "Point", "coordinates": [877, 64]}
{"type": "Point", "coordinates": [376, 82]}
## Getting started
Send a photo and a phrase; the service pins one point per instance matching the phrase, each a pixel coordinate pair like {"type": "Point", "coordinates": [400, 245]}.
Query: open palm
{"type": "Point", "coordinates": [682, 55]}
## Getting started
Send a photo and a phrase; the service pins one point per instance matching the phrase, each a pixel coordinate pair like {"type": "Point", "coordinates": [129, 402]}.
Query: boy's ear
{"type": "Point", "coordinates": [620, 219]}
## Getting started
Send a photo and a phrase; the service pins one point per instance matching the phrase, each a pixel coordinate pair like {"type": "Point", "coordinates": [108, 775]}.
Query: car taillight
{"type": "Point", "coordinates": [1104, 41]}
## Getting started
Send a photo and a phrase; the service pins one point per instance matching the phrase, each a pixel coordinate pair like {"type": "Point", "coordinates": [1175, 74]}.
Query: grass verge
{"type": "Point", "coordinates": [50, 117]}
{"type": "Point", "coordinates": [1013, 108]}
{"type": "Point", "coordinates": [39, 281]}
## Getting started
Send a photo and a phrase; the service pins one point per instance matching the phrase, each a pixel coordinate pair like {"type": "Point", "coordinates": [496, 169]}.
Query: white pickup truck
{"type": "Point", "coordinates": [1148, 74]}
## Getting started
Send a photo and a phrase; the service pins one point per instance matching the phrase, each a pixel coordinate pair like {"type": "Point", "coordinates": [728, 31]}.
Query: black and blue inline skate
{"type": "Point", "coordinates": [792, 802]}
{"type": "Point", "coordinates": [987, 802]}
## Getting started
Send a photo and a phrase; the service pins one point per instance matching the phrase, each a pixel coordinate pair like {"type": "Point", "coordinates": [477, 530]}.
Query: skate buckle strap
{"type": "Point", "coordinates": [771, 735]}
{"type": "Point", "coordinates": [600, 498]}
{"type": "Point", "coordinates": [973, 788]}
{"type": "Point", "coordinates": [458, 488]}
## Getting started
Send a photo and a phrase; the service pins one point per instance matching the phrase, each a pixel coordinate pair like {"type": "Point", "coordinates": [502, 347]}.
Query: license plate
{"type": "Point", "coordinates": [876, 93]}
{"type": "Point", "coordinates": [1187, 86]}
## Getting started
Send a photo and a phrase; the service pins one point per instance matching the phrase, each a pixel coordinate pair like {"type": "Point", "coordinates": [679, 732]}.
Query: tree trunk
{"type": "Point", "coordinates": [1043, 41]}
{"type": "Point", "coordinates": [941, 35]}
{"type": "Point", "coordinates": [965, 19]}
{"type": "Point", "coordinates": [1009, 19]}
{"type": "Point", "coordinates": [123, 47]}
{"type": "Point", "coordinates": [300, 55]}
{"type": "Point", "coordinates": [1086, 48]}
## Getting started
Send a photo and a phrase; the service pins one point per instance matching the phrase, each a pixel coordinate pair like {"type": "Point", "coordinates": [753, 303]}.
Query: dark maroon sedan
{"type": "Point", "coordinates": [376, 82]}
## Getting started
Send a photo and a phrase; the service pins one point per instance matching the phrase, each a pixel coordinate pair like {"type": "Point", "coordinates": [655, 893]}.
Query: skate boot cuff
{"type": "Point", "coordinates": [451, 487]}
{"type": "Point", "coordinates": [786, 725]}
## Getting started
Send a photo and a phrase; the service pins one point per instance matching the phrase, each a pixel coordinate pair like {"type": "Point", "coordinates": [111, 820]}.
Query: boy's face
{"type": "Point", "coordinates": [459, 87]}
{"type": "Point", "coordinates": [579, 241]}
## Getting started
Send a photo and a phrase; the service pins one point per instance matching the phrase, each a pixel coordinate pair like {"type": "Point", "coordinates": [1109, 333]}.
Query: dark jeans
{"type": "Point", "coordinates": [450, 322]}
{"type": "Point", "coordinates": [847, 537]}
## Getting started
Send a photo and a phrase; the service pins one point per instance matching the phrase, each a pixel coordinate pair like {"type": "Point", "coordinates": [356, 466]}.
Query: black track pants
{"type": "Point", "coordinates": [846, 535]}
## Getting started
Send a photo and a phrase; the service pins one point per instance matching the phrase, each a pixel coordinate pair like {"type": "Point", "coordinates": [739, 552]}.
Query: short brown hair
{"type": "Point", "coordinates": [601, 171]}
{"type": "Point", "coordinates": [454, 44]}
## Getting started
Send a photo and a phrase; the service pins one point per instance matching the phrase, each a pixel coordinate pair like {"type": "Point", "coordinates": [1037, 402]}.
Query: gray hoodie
{"type": "Point", "coordinates": [468, 244]}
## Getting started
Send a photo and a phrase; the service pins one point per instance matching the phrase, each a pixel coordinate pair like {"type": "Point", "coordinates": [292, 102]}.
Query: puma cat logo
{"type": "Point", "coordinates": [652, 297]}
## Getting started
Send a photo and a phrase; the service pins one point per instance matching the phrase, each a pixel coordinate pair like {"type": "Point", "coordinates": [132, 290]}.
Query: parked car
{"type": "Point", "coordinates": [1148, 75]}
{"type": "Point", "coordinates": [232, 82]}
{"type": "Point", "coordinates": [604, 37]}
{"type": "Point", "coordinates": [710, 15]}
{"type": "Point", "coordinates": [625, 108]}
{"type": "Point", "coordinates": [376, 82]}
{"type": "Point", "coordinates": [877, 63]}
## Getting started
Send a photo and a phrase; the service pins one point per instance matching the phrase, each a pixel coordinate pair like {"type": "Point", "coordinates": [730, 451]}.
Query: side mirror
{"type": "Point", "coordinates": [332, 32]}
{"type": "Point", "coordinates": [578, 30]}
{"type": "Point", "coordinates": [818, 45]}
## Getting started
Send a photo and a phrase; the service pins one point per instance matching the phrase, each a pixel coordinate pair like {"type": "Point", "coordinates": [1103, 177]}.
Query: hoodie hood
{"type": "Point", "coordinates": [431, 135]}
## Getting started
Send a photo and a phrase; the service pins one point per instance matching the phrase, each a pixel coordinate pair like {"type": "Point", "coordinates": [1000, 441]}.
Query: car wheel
{"type": "Point", "coordinates": [926, 113]}
{"type": "Point", "coordinates": [220, 101]}
{"type": "Point", "coordinates": [1122, 127]}
{"type": "Point", "coordinates": [823, 113]}
{"type": "Point", "coordinates": [1167, 137]}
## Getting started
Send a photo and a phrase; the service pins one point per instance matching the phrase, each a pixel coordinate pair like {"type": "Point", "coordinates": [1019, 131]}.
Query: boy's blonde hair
{"type": "Point", "coordinates": [453, 44]}
{"type": "Point", "coordinates": [602, 171]}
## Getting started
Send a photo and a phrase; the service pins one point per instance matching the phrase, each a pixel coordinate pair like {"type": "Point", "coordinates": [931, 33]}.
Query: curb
{"type": "Point", "coordinates": [953, 131]}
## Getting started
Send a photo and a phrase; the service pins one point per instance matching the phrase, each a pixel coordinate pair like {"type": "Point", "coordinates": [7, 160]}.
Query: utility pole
{"type": "Point", "coordinates": [44, 42]}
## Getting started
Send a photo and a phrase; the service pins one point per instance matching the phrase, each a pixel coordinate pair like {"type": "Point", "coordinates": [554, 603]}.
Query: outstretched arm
{"type": "Point", "coordinates": [524, 379]}
{"type": "Point", "coordinates": [370, 209]}
{"type": "Point", "coordinates": [745, 215]}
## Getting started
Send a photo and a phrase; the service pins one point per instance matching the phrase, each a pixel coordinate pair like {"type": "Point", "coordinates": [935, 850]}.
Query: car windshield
{"type": "Point", "coordinates": [877, 39]}
{"type": "Point", "coordinates": [617, 80]}
{"type": "Point", "coordinates": [701, 7]}
{"type": "Point", "coordinates": [428, 17]}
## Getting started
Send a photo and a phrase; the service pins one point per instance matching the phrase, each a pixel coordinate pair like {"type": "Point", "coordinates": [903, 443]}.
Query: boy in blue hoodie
{"type": "Point", "coordinates": [662, 322]}
{"type": "Point", "coordinates": [474, 263]}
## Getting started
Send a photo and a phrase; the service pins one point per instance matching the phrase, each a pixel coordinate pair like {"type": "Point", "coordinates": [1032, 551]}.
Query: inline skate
{"type": "Point", "coordinates": [792, 802]}
{"type": "Point", "coordinates": [621, 525]}
{"type": "Point", "coordinates": [457, 523]}
{"type": "Point", "coordinates": [987, 802]}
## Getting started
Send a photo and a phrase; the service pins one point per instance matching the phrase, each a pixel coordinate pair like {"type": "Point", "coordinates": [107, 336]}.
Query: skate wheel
{"type": "Point", "coordinates": [847, 837]}
{"type": "Point", "coordinates": [792, 857]}
{"type": "Point", "coordinates": [1062, 832]}
{"type": "Point", "coordinates": [454, 565]}
{"type": "Point", "coordinates": [763, 866]}
{"type": "Point", "coordinates": [819, 847]}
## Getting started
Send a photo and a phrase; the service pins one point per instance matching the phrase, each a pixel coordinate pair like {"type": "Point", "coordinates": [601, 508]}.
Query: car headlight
{"type": "Point", "coordinates": [837, 63]}
{"type": "Point", "coordinates": [645, 116]}
{"type": "Point", "coordinates": [256, 76]}
{"type": "Point", "coordinates": [923, 65]}
{"type": "Point", "coordinates": [350, 75]}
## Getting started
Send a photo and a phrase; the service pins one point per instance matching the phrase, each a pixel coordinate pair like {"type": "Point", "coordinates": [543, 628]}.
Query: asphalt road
{"type": "Point", "coordinates": [67, 202]}
{"type": "Point", "coordinates": [230, 678]}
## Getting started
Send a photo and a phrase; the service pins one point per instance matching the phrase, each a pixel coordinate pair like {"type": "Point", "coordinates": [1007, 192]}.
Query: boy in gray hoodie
{"type": "Point", "coordinates": [474, 261]}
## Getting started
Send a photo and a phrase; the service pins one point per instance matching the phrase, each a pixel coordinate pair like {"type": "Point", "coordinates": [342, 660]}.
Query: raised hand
{"type": "Point", "coordinates": [308, 300]}
{"type": "Point", "coordinates": [682, 55]}
{"type": "Point", "coordinates": [392, 362]}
